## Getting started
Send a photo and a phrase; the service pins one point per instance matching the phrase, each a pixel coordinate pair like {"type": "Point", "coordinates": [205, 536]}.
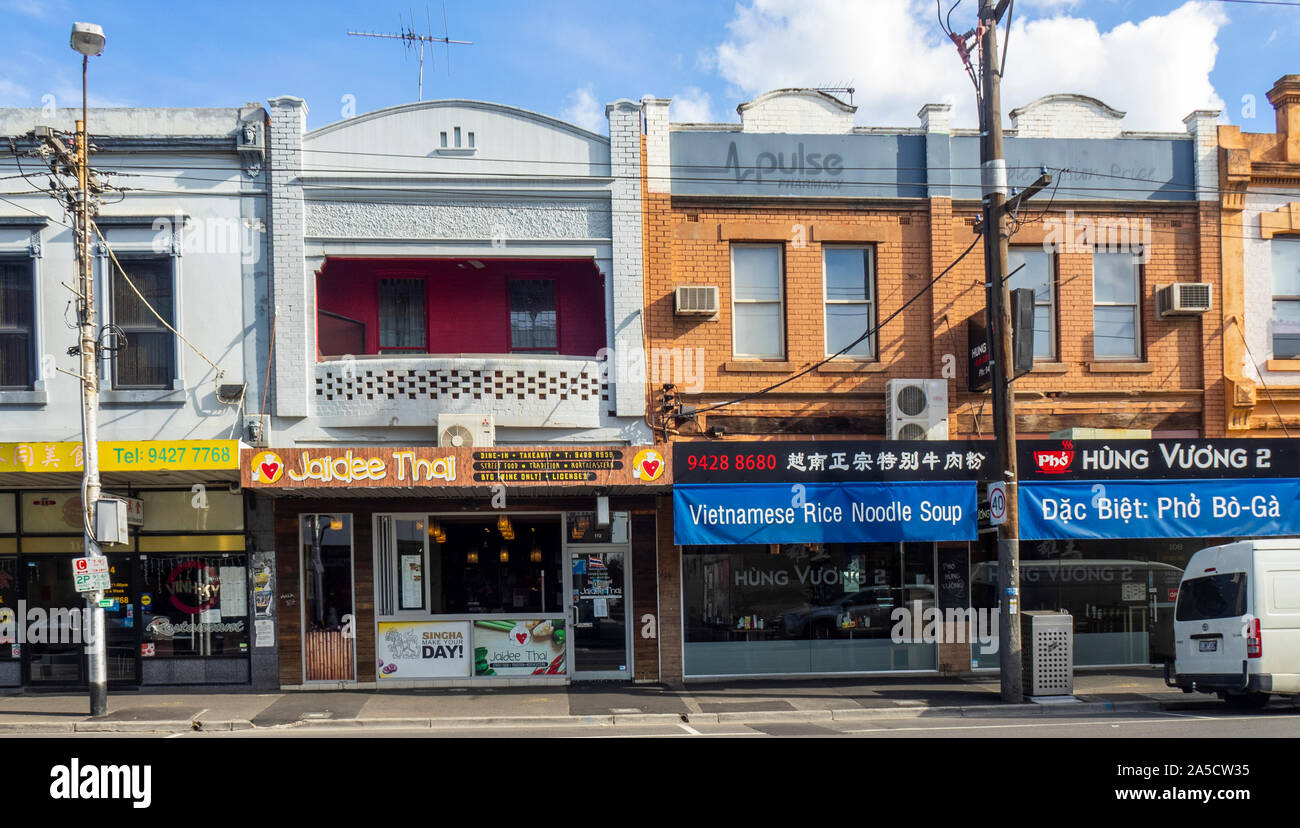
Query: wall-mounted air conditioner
{"type": "Point", "coordinates": [916, 409]}
{"type": "Point", "coordinates": [695, 300]}
{"type": "Point", "coordinates": [1184, 299]}
{"type": "Point", "coordinates": [466, 430]}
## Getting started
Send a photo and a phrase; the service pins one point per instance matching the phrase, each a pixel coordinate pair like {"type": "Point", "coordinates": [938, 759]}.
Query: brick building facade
{"type": "Point", "coordinates": [799, 190]}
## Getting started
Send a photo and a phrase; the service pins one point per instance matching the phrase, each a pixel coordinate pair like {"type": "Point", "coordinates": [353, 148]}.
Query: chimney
{"type": "Point", "coordinates": [1285, 97]}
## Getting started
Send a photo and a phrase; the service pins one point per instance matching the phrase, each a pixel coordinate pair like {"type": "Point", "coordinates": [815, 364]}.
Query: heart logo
{"type": "Point", "coordinates": [521, 637]}
{"type": "Point", "coordinates": [267, 467]}
{"type": "Point", "coordinates": [648, 465]}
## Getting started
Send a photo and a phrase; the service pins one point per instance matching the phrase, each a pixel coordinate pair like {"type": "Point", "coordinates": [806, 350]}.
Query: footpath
{"type": "Point", "coordinates": [598, 704]}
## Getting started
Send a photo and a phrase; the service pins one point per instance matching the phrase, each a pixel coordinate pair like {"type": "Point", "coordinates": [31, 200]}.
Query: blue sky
{"type": "Point", "coordinates": [1155, 59]}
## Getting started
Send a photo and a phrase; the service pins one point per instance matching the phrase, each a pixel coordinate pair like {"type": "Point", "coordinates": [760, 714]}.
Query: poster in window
{"type": "Point", "coordinates": [523, 647]}
{"type": "Point", "coordinates": [412, 582]}
{"type": "Point", "coordinates": [234, 592]}
{"type": "Point", "coordinates": [422, 649]}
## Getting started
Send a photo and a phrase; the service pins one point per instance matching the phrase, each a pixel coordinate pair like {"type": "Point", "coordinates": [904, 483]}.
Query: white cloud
{"type": "Point", "coordinates": [692, 106]}
{"type": "Point", "coordinates": [582, 108]}
{"type": "Point", "coordinates": [1157, 69]}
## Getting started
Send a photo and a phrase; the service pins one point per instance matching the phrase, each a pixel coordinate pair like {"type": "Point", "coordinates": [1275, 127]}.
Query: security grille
{"type": "Point", "coordinates": [1048, 648]}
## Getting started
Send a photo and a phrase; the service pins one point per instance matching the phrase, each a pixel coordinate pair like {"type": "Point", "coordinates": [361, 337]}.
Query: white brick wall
{"type": "Point", "coordinates": [936, 118]}
{"type": "Point", "coordinates": [1203, 126]}
{"type": "Point", "coordinates": [1067, 116]}
{"type": "Point", "coordinates": [796, 111]}
{"type": "Point", "coordinates": [625, 207]}
{"type": "Point", "coordinates": [294, 336]}
{"type": "Point", "coordinates": [657, 156]}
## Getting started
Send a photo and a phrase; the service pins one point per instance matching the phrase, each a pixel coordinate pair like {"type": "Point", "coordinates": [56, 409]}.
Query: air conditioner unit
{"type": "Point", "coordinates": [916, 409]}
{"type": "Point", "coordinates": [695, 300]}
{"type": "Point", "coordinates": [1184, 299]}
{"type": "Point", "coordinates": [466, 430]}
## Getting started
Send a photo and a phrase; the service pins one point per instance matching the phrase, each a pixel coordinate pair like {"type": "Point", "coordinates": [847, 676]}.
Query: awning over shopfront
{"type": "Point", "coordinates": [427, 471]}
{"type": "Point", "coordinates": [827, 491]}
{"type": "Point", "coordinates": [1098, 489]}
{"type": "Point", "coordinates": [45, 465]}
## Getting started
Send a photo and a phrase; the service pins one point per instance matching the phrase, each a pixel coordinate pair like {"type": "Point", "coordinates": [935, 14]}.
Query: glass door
{"type": "Point", "coordinates": [598, 612]}
{"type": "Point", "coordinates": [54, 653]}
{"type": "Point", "coordinates": [327, 639]}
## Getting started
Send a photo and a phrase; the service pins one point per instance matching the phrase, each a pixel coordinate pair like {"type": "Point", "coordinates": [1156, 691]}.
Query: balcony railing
{"type": "Point", "coordinates": [522, 392]}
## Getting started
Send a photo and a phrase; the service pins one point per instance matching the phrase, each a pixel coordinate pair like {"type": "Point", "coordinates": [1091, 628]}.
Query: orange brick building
{"type": "Point", "coordinates": [797, 231]}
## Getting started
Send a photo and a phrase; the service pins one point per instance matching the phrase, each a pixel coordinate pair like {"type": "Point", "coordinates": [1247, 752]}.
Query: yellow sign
{"type": "Point", "coordinates": [145, 455]}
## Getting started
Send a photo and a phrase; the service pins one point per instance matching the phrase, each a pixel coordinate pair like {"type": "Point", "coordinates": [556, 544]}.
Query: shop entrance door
{"type": "Point", "coordinates": [59, 658]}
{"type": "Point", "coordinates": [598, 611]}
{"type": "Point", "coordinates": [328, 622]}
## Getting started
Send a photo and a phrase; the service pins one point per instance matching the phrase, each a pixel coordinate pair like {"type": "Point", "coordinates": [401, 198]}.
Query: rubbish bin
{"type": "Point", "coordinates": [1047, 648]}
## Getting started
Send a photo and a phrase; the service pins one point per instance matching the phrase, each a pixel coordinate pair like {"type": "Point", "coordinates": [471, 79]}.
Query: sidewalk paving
{"type": "Point", "coordinates": [859, 698]}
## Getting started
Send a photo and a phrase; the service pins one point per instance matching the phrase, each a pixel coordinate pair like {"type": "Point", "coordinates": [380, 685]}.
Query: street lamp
{"type": "Point", "coordinates": [88, 39]}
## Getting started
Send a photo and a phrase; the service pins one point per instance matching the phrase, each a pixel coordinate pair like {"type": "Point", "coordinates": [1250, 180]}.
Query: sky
{"type": "Point", "coordinates": [1155, 59]}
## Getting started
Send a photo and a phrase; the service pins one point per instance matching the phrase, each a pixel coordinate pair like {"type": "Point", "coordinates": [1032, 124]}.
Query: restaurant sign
{"type": "Point", "coordinates": [433, 466]}
{"type": "Point", "coordinates": [141, 455]}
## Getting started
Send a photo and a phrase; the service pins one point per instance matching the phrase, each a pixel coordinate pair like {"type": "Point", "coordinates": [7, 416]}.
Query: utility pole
{"type": "Point", "coordinates": [994, 167]}
{"type": "Point", "coordinates": [89, 40]}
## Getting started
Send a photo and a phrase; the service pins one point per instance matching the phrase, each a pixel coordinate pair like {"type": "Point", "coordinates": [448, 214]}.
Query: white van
{"type": "Point", "coordinates": [1237, 622]}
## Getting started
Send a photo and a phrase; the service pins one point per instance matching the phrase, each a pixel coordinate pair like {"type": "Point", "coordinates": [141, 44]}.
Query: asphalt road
{"type": "Point", "coordinates": [1281, 722]}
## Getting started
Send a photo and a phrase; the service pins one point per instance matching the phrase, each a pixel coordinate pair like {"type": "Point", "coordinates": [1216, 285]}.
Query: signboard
{"type": "Point", "coordinates": [1160, 509]}
{"type": "Point", "coordinates": [979, 367]}
{"type": "Point", "coordinates": [1182, 459]}
{"type": "Point", "coordinates": [422, 649]}
{"type": "Point", "coordinates": [91, 574]}
{"type": "Point", "coordinates": [1159, 488]}
{"type": "Point", "coordinates": [372, 467]}
{"type": "Point", "coordinates": [826, 491]}
{"type": "Point", "coordinates": [954, 578]}
{"type": "Point", "coordinates": [134, 510]}
{"type": "Point", "coordinates": [147, 455]}
{"type": "Point", "coordinates": [997, 503]}
{"type": "Point", "coordinates": [520, 647]}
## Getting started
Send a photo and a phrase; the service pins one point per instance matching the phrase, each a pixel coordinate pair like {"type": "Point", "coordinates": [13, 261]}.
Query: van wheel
{"type": "Point", "coordinates": [1245, 701]}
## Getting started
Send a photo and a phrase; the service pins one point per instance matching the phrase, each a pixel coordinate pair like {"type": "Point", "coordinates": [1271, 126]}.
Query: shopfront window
{"type": "Point", "coordinates": [468, 565]}
{"type": "Point", "coordinates": [195, 605]}
{"type": "Point", "coordinates": [8, 601]}
{"type": "Point", "coordinates": [806, 608]}
{"type": "Point", "coordinates": [1121, 594]}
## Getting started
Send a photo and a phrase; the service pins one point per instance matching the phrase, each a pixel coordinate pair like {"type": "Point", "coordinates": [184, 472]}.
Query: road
{"type": "Point", "coordinates": [1279, 722]}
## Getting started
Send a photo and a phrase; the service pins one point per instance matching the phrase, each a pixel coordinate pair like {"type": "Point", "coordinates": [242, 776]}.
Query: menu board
{"type": "Point", "coordinates": [954, 578]}
{"type": "Point", "coordinates": [544, 465]}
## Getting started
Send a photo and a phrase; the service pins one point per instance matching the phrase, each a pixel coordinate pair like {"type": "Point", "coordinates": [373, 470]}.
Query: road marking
{"type": "Point", "coordinates": [689, 729]}
{"type": "Point", "coordinates": [173, 736]}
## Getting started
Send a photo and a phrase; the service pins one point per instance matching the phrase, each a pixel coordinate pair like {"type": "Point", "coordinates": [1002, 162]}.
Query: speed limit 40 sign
{"type": "Point", "coordinates": [997, 503]}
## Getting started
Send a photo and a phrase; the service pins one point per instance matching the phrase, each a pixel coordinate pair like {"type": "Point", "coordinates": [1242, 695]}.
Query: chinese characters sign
{"type": "Point", "coordinates": [827, 491]}
{"type": "Point", "coordinates": [148, 455]}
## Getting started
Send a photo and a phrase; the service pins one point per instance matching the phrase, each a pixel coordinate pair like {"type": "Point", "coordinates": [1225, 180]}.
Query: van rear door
{"type": "Point", "coordinates": [1208, 623]}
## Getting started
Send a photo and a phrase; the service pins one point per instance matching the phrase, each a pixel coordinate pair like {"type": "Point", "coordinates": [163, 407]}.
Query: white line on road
{"type": "Point", "coordinates": [689, 729]}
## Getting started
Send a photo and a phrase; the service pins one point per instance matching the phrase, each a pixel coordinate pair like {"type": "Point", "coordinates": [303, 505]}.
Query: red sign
{"type": "Point", "coordinates": [1055, 462]}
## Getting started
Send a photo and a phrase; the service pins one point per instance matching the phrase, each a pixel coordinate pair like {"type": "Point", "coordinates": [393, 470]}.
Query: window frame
{"type": "Point", "coordinates": [30, 331]}
{"type": "Point", "coordinates": [400, 350]}
{"type": "Point", "coordinates": [1053, 326]}
{"type": "Point", "coordinates": [125, 256]}
{"type": "Point", "coordinates": [1136, 305]}
{"type": "Point", "coordinates": [1293, 241]}
{"type": "Point", "coordinates": [510, 330]}
{"type": "Point", "coordinates": [779, 302]}
{"type": "Point", "coordinates": [872, 303]}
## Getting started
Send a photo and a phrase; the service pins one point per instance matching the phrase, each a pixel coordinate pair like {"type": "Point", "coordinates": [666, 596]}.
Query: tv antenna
{"type": "Point", "coordinates": [411, 39]}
